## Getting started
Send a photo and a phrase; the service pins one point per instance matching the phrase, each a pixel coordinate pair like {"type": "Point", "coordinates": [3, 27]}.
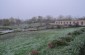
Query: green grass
{"type": "Point", "coordinates": [22, 43]}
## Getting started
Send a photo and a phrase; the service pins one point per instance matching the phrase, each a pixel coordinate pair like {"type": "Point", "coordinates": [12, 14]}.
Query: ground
{"type": "Point", "coordinates": [22, 43]}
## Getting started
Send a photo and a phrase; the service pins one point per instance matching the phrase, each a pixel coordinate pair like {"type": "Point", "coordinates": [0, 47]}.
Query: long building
{"type": "Point", "coordinates": [70, 22]}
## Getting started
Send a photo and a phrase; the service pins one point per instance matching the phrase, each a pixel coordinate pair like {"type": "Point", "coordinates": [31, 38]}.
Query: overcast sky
{"type": "Point", "coordinates": [28, 8]}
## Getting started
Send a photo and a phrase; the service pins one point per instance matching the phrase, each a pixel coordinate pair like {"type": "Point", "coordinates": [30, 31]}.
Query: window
{"type": "Point", "coordinates": [67, 22]}
{"type": "Point", "coordinates": [70, 22]}
{"type": "Point", "coordinates": [64, 22]}
{"type": "Point", "coordinates": [56, 22]}
{"type": "Point", "coordinates": [61, 22]}
{"type": "Point", "coordinates": [77, 22]}
{"type": "Point", "coordinates": [82, 23]}
{"type": "Point", "coordinates": [73, 22]}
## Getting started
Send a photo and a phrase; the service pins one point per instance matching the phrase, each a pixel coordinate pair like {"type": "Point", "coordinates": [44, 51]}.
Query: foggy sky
{"type": "Point", "coordinates": [25, 9]}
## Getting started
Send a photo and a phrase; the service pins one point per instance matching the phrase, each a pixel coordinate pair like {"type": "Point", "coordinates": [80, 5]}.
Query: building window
{"type": "Point", "coordinates": [73, 22]}
{"type": "Point", "coordinates": [56, 22]}
{"type": "Point", "coordinates": [64, 22]}
{"type": "Point", "coordinates": [82, 23]}
{"type": "Point", "coordinates": [67, 22]}
{"type": "Point", "coordinates": [61, 22]}
{"type": "Point", "coordinates": [70, 22]}
{"type": "Point", "coordinates": [77, 22]}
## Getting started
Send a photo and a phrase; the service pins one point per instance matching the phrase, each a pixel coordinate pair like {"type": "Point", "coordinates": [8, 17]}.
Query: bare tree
{"type": "Point", "coordinates": [5, 22]}
{"type": "Point", "coordinates": [64, 17]}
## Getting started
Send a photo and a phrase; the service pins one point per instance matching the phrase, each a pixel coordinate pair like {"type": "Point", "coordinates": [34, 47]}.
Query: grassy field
{"type": "Point", "coordinates": [22, 43]}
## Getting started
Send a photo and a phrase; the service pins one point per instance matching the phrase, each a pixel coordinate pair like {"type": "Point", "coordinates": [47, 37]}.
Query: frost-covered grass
{"type": "Point", "coordinates": [22, 43]}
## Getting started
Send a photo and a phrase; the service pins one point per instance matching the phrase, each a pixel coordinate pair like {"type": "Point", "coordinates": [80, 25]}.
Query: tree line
{"type": "Point", "coordinates": [37, 19]}
{"type": "Point", "coordinates": [10, 21]}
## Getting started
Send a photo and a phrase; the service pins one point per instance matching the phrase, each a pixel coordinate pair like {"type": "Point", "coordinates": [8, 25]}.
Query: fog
{"type": "Point", "coordinates": [25, 9]}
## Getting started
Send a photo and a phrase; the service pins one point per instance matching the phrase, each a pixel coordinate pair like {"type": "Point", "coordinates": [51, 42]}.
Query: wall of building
{"type": "Point", "coordinates": [72, 22]}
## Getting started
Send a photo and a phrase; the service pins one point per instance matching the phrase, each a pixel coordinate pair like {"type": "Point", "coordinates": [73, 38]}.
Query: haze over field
{"type": "Point", "coordinates": [25, 9]}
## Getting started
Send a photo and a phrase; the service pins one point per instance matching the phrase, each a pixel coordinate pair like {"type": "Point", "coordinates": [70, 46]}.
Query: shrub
{"type": "Point", "coordinates": [58, 26]}
{"type": "Point", "coordinates": [76, 33]}
{"type": "Point", "coordinates": [34, 52]}
{"type": "Point", "coordinates": [17, 30]}
{"type": "Point", "coordinates": [61, 42]}
{"type": "Point", "coordinates": [76, 25]}
{"type": "Point", "coordinates": [69, 33]}
{"type": "Point", "coordinates": [51, 45]}
{"type": "Point", "coordinates": [6, 28]}
{"type": "Point", "coordinates": [83, 29]}
{"type": "Point", "coordinates": [82, 50]}
{"type": "Point", "coordinates": [80, 31]}
{"type": "Point", "coordinates": [55, 43]}
{"type": "Point", "coordinates": [1, 33]}
{"type": "Point", "coordinates": [67, 39]}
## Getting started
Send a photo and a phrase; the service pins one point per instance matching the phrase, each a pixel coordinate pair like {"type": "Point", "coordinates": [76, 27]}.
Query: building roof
{"type": "Point", "coordinates": [70, 20]}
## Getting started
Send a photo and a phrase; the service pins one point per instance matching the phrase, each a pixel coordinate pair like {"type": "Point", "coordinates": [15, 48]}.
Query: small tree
{"type": "Point", "coordinates": [6, 22]}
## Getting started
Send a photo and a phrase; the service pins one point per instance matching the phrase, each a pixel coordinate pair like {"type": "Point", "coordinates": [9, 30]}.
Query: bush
{"type": "Point", "coordinates": [69, 33]}
{"type": "Point", "coordinates": [58, 26]}
{"type": "Point", "coordinates": [76, 33]}
{"type": "Point", "coordinates": [52, 44]}
{"type": "Point", "coordinates": [76, 25]}
{"type": "Point", "coordinates": [1, 33]}
{"type": "Point", "coordinates": [17, 30]}
{"type": "Point", "coordinates": [67, 39]}
{"type": "Point", "coordinates": [80, 31]}
{"type": "Point", "coordinates": [61, 42]}
{"type": "Point", "coordinates": [82, 50]}
{"type": "Point", "coordinates": [83, 29]}
{"type": "Point", "coordinates": [55, 43]}
{"type": "Point", "coordinates": [6, 28]}
{"type": "Point", "coordinates": [34, 52]}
